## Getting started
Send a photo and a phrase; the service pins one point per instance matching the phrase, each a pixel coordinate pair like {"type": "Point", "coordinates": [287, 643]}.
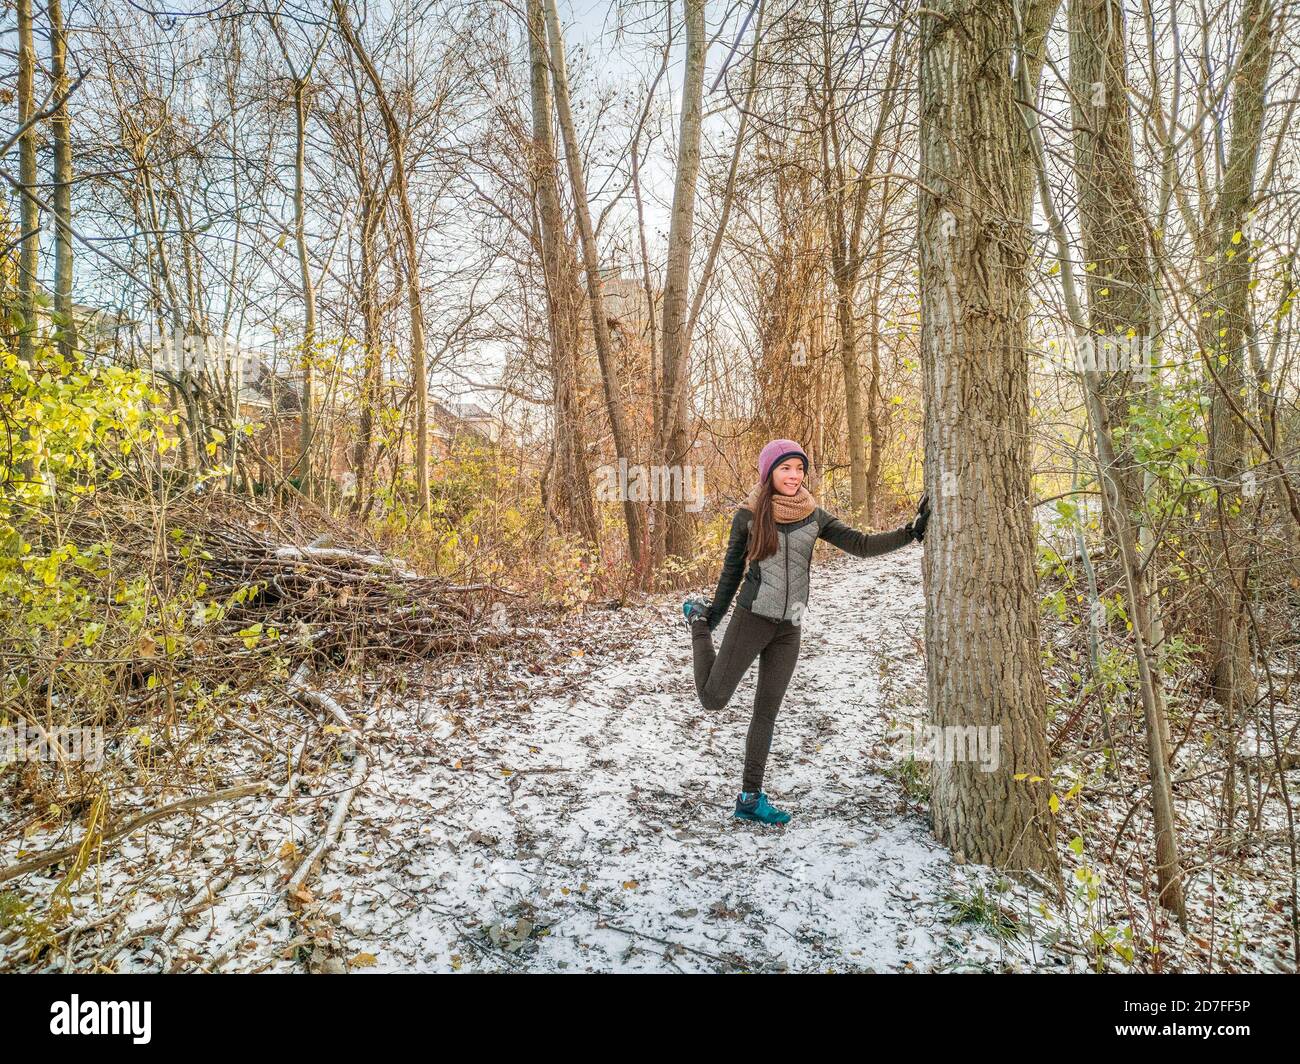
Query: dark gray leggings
{"type": "Point", "coordinates": [749, 636]}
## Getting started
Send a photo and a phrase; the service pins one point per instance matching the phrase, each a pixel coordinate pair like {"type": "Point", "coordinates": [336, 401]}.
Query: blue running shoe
{"type": "Point", "coordinates": [694, 607]}
{"type": "Point", "coordinates": [750, 806]}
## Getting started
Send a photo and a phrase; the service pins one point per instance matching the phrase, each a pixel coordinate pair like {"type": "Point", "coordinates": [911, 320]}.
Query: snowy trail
{"type": "Point", "coordinates": [590, 828]}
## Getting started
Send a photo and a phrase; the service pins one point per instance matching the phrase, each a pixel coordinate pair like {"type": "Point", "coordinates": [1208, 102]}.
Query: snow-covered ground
{"type": "Point", "coordinates": [591, 828]}
{"type": "Point", "coordinates": [565, 805]}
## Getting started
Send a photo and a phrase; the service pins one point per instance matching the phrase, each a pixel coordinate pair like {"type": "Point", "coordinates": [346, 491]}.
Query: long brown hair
{"type": "Point", "coordinates": [762, 529]}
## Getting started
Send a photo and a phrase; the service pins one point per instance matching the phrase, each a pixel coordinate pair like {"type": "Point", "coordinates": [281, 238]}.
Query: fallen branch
{"type": "Point", "coordinates": [300, 691]}
{"type": "Point", "coordinates": [34, 864]}
{"type": "Point", "coordinates": [332, 831]}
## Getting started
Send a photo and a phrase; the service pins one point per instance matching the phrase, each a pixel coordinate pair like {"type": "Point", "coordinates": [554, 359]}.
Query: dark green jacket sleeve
{"type": "Point", "coordinates": [862, 544]}
{"type": "Point", "coordinates": [733, 568]}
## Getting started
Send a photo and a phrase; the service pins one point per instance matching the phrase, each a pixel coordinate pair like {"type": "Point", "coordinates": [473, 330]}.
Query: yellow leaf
{"type": "Point", "coordinates": [631, 884]}
{"type": "Point", "coordinates": [1054, 804]}
{"type": "Point", "coordinates": [363, 960]}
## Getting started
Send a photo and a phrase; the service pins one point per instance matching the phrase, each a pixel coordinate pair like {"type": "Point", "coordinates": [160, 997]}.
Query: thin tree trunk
{"type": "Point", "coordinates": [1114, 237]}
{"type": "Point", "coordinates": [415, 301]}
{"type": "Point", "coordinates": [372, 369]}
{"type": "Point", "coordinates": [573, 477]}
{"type": "Point", "coordinates": [1168, 868]}
{"type": "Point", "coordinates": [1224, 327]}
{"type": "Point", "coordinates": [29, 215]}
{"type": "Point", "coordinates": [62, 183]}
{"type": "Point", "coordinates": [846, 204]}
{"type": "Point", "coordinates": [307, 417]}
{"type": "Point", "coordinates": [610, 374]}
{"type": "Point", "coordinates": [192, 437]}
{"type": "Point", "coordinates": [675, 380]}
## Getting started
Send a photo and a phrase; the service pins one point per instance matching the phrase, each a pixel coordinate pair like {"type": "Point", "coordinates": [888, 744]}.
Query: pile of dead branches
{"type": "Point", "coordinates": [317, 593]}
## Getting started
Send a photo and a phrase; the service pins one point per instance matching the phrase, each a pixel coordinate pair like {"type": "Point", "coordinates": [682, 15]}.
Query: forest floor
{"type": "Point", "coordinates": [568, 808]}
{"type": "Point", "coordinates": [584, 821]}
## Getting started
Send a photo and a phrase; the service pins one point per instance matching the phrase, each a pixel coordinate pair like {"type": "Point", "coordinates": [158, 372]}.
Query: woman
{"type": "Point", "coordinates": [775, 532]}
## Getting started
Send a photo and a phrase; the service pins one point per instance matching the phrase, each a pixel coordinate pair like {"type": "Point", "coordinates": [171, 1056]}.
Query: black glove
{"type": "Point", "coordinates": [918, 524]}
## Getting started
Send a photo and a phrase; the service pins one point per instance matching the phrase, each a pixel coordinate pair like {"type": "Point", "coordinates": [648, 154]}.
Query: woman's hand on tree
{"type": "Point", "coordinates": [918, 524]}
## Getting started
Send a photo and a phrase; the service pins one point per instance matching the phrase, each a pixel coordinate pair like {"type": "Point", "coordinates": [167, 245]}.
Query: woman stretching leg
{"type": "Point", "coordinates": [775, 532]}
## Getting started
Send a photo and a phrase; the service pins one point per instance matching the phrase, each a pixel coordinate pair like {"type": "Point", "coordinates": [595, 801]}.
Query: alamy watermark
{"type": "Point", "coordinates": [1099, 353]}
{"type": "Point", "coordinates": [123, 1018]}
{"type": "Point", "coordinates": [21, 743]}
{"type": "Point", "coordinates": [979, 743]}
{"type": "Point", "coordinates": [653, 483]}
{"type": "Point", "coordinates": [183, 352]}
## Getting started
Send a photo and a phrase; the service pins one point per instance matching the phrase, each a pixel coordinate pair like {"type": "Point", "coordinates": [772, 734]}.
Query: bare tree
{"type": "Point", "coordinates": [410, 244]}
{"type": "Point", "coordinates": [62, 181]}
{"type": "Point", "coordinates": [573, 477]}
{"type": "Point", "coordinates": [614, 392]}
{"type": "Point", "coordinates": [29, 217]}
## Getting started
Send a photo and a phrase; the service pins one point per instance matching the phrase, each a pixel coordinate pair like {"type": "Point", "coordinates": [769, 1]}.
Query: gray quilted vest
{"type": "Point", "coordinates": [777, 587]}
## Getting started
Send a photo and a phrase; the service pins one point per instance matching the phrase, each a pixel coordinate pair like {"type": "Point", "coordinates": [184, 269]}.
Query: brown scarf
{"type": "Point", "coordinates": [785, 508]}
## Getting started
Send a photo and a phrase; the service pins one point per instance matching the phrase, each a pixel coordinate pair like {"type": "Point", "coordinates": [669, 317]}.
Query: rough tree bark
{"type": "Point", "coordinates": [982, 649]}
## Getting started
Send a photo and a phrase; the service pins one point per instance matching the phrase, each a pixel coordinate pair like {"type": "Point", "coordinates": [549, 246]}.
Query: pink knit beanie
{"type": "Point", "coordinates": [776, 452]}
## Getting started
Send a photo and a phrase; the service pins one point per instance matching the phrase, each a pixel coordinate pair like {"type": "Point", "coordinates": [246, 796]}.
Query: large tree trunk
{"type": "Point", "coordinates": [982, 649]}
{"type": "Point", "coordinates": [673, 442]}
{"type": "Point", "coordinates": [572, 474]}
{"type": "Point", "coordinates": [610, 374]}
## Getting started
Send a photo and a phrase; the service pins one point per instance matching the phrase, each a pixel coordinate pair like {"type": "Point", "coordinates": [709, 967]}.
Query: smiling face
{"type": "Point", "coordinates": [787, 477]}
